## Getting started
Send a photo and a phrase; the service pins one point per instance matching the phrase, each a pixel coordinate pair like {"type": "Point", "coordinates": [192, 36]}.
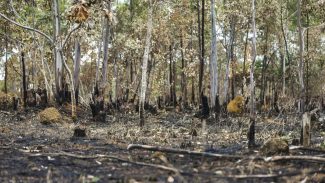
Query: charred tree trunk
{"type": "Point", "coordinates": [183, 79]}
{"type": "Point", "coordinates": [24, 79]}
{"type": "Point", "coordinates": [6, 65]}
{"type": "Point", "coordinates": [201, 73]}
{"type": "Point", "coordinates": [77, 70]}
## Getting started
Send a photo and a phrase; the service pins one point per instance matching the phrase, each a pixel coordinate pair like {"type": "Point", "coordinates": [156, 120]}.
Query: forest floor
{"type": "Point", "coordinates": [34, 152]}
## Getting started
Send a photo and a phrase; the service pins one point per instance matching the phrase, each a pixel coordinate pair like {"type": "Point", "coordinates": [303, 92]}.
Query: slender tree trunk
{"type": "Point", "coordinates": [251, 132]}
{"type": "Point", "coordinates": [232, 57]}
{"type": "Point", "coordinates": [171, 89]}
{"type": "Point", "coordinates": [301, 59]}
{"type": "Point", "coordinates": [114, 81]}
{"type": "Point", "coordinates": [49, 92]}
{"type": "Point", "coordinates": [213, 61]}
{"type": "Point", "coordinates": [201, 73]}
{"type": "Point", "coordinates": [200, 47]}
{"type": "Point", "coordinates": [57, 54]}
{"type": "Point", "coordinates": [23, 65]}
{"type": "Point", "coordinates": [229, 58]}
{"type": "Point", "coordinates": [77, 70]}
{"type": "Point", "coordinates": [105, 43]}
{"type": "Point", "coordinates": [145, 65]}
{"type": "Point", "coordinates": [174, 84]}
{"type": "Point", "coordinates": [286, 53]}
{"type": "Point", "coordinates": [192, 78]}
{"type": "Point", "coordinates": [307, 62]}
{"type": "Point", "coordinates": [244, 63]}
{"type": "Point", "coordinates": [183, 77]}
{"type": "Point", "coordinates": [6, 64]}
{"type": "Point", "coordinates": [99, 53]}
{"type": "Point", "coordinates": [264, 68]}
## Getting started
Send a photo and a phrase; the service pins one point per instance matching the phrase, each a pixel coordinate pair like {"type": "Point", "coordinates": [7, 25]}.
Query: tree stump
{"type": "Point", "coordinates": [305, 131]}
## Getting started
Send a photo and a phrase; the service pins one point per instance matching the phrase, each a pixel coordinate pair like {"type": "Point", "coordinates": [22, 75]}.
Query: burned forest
{"type": "Point", "coordinates": [162, 91]}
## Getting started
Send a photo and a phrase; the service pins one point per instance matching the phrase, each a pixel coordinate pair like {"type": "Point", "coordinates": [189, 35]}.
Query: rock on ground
{"type": "Point", "coordinates": [50, 115]}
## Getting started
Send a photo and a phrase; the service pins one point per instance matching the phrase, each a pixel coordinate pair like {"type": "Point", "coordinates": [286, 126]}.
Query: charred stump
{"type": "Point", "coordinates": [251, 134]}
{"type": "Point", "coordinates": [97, 105]}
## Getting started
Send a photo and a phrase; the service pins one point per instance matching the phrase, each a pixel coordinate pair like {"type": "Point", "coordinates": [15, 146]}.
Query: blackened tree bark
{"type": "Point", "coordinates": [6, 64]}
{"type": "Point", "coordinates": [201, 74]}
{"type": "Point", "coordinates": [77, 70]}
{"type": "Point", "coordinates": [24, 79]}
{"type": "Point", "coordinates": [183, 77]}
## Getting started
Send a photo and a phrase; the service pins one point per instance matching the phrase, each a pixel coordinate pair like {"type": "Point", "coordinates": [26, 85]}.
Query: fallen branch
{"type": "Point", "coordinates": [162, 167]}
{"type": "Point", "coordinates": [181, 151]}
{"type": "Point", "coordinates": [5, 112]}
{"type": "Point", "coordinates": [304, 158]}
{"type": "Point", "coordinates": [267, 176]}
{"type": "Point", "coordinates": [307, 149]}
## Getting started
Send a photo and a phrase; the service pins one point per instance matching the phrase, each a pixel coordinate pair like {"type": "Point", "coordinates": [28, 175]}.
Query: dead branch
{"type": "Point", "coordinates": [5, 112]}
{"type": "Point", "coordinates": [162, 167]}
{"type": "Point", "coordinates": [28, 28]}
{"type": "Point", "coordinates": [289, 174]}
{"type": "Point", "coordinates": [69, 34]}
{"type": "Point", "coordinates": [181, 151]}
{"type": "Point", "coordinates": [304, 158]}
{"type": "Point", "coordinates": [307, 149]}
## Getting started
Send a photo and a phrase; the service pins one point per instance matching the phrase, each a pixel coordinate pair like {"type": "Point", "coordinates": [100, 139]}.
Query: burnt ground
{"type": "Point", "coordinates": [33, 152]}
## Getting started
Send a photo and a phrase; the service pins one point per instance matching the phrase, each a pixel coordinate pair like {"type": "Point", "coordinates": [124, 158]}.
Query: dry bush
{"type": "Point", "coordinates": [6, 100]}
{"type": "Point", "coordinates": [286, 103]}
{"type": "Point", "coordinates": [236, 105]}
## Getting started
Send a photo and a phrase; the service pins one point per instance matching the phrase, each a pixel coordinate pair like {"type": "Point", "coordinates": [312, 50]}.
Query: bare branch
{"type": "Point", "coordinates": [28, 28]}
{"type": "Point", "coordinates": [162, 167]}
{"type": "Point", "coordinates": [69, 35]}
{"type": "Point", "coordinates": [316, 26]}
{"type": "Point", "coordinates": [14, 11]}
{"type": "Point", "coordinates": [181, 151]}
{"type": "Point", "coordinates": [304, 158]}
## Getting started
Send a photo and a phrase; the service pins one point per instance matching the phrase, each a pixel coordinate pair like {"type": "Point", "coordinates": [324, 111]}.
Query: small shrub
{"type": "Point", "coordinates": [6, 100]}
{"type": "Point", "coordinates": [236, 105]}
{"type": "Point", "coordinates": [50, 115]}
